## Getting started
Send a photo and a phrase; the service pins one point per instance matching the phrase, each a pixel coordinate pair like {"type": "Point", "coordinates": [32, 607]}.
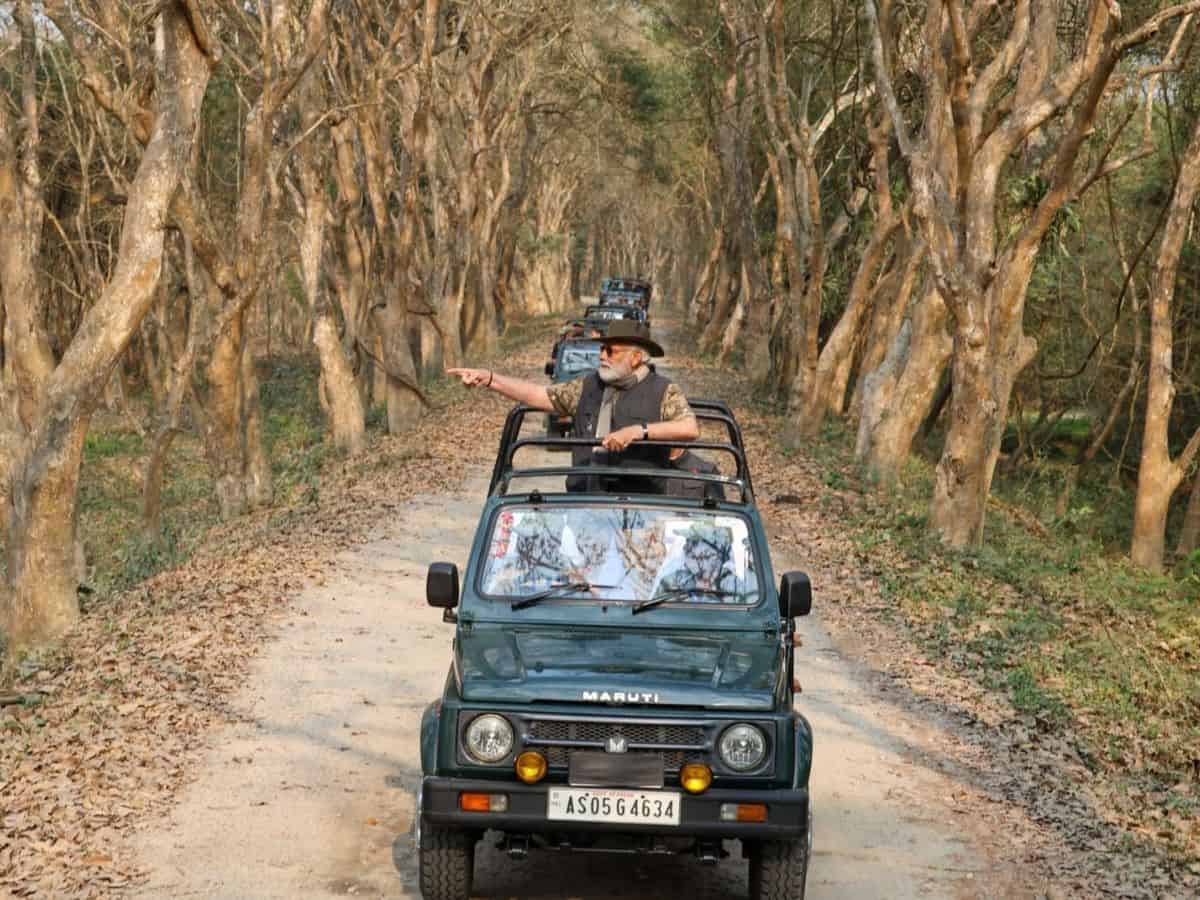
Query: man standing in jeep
{"type": "Point", "coordinates": [622, 402]}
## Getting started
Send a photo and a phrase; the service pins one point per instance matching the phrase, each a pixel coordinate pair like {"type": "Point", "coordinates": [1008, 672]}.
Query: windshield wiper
{"type": "Point", "coordinates": [668, 596]}
{"type": "Point", "coordinates": [560, 589]}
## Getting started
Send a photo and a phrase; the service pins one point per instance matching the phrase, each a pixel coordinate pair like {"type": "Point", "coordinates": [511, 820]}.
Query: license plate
{"type": "Point", "coordinates": [626, 807]}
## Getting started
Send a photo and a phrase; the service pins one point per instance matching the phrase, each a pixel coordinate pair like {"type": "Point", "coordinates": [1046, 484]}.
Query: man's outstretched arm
{"type": "Point", "coordinates": [527, 392]}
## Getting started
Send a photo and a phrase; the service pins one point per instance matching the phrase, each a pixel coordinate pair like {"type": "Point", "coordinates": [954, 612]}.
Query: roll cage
{"type": "Point", "coordinates": [504, 471]}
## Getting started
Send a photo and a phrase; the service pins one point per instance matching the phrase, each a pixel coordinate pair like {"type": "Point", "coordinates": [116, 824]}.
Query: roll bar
{"type": "Point", "coordinates": [504, 471]}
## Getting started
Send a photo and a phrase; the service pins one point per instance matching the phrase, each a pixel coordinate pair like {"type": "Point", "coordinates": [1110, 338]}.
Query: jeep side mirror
{"type": "Point", "coordinates": [550, 368]}
{"type": "Point", "coordinates": [441, 585]}
{"type": "Point", "coordinates": [795, 595]}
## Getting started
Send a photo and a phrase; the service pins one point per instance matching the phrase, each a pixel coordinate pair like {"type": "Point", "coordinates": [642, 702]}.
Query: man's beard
{"type": "Point", "coordinates": [623, 377]}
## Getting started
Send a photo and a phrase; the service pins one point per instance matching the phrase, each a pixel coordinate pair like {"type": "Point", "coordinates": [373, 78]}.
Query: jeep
{"type": "Point", "coordinates": [572, 359]}
{"type": "Point", "coordinates": [604, 313]}
{"type": "Point", "coordinates": [621, 675]}
{"type": "Point", "coordinates": [626, 290]}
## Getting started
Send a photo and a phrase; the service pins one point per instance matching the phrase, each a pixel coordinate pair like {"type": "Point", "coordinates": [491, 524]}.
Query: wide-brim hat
{"type": "Point", "coordinates": [628, 331]}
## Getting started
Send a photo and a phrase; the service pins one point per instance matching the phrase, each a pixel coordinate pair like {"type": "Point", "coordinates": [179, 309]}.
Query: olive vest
{"type": "Point", "coordinates": [639, 405]}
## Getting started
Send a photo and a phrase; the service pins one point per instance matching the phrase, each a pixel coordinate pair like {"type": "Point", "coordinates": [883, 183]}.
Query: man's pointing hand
{"type": "Point", "coordinates": [473, 377]}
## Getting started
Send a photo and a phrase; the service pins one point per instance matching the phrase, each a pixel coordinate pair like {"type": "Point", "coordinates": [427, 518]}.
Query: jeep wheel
{"type": "Point", "coordinates": [446, 861]}
{"type": "Point", "coordinates": [778, 870]}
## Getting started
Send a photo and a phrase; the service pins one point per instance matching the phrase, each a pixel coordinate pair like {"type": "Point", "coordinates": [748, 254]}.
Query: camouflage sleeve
{"type": "Point", "coordinates": [565, 396]}
{"type": "Point", "coordinates": [675, 405]}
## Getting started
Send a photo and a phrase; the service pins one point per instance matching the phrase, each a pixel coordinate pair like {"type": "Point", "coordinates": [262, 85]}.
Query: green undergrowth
{"type": "Point", "coordinates": [295, 437]}
{"type": "Point", "coordinates": [1049, 612]}
{"type": "Point", "coordinates": [119, 554]}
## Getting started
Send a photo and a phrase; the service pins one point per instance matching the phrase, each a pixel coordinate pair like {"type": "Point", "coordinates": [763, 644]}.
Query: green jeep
{"type": "Point", "coordinates": [621, 677]}
{"type": "Point", "coordinates": [572, 358]}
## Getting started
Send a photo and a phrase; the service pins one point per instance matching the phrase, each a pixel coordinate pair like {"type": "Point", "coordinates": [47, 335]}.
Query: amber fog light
{"type": "Point", "coordinates": [531, 767]}
{"type": "Point", "coordinates": [695, 778]}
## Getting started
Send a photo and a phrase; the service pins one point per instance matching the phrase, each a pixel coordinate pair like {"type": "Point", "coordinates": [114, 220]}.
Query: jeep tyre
{"type": "Point", "coordinates": [778, 870]}
{"type": "Point", "coordinates": [446, 862]}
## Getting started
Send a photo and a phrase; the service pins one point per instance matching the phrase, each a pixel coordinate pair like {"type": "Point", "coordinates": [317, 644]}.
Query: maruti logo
{"type": "Point", "coordinates": [620, 697]}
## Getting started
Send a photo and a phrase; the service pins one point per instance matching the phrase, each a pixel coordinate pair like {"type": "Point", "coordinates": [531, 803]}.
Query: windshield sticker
{"type": "Point", "coordinates": [622, 554]}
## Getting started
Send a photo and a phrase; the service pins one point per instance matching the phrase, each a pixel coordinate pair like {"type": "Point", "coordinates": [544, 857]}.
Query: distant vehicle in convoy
{"type": "Point", "coordinates": [572, 359]}
{"type": "Point", "coordinates": [622, 676]}
{"type": "Point", "coordinates": [636, 291]}
{"type": "Point", "coordinates": [607, 312]}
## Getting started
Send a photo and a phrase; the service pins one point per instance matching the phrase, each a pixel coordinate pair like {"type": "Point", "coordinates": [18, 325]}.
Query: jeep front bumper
{"type": "Point", "coordinates": [700, 814]}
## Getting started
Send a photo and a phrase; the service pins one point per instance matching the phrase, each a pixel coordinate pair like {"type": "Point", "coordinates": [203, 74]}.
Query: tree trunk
{"type": "Point", "coordinates": [347, 420]}
{"type": "Point", "coordinates": [734, 327]}
{"type": "Point", "coordinates": [203, 295]}
{"type": "Point", "coordinates": [448, 320]}
{"type": "Point", "coordinates": [1189, 534]}
{"type": "Point", "coordinates": [354, 258]}
{"type": "Point", "coordinates": [892, 296]}
{"type": "Point", "coordinates": [431, 349]}
{"type": "Point", "coordinates": [897, 396]}
{"type": "Point", "coordinates": [43, 572]}
{"type": "Point", "coordinates": [1158, 474]}
{"type": "Point", "coordinates": [379, 378]}
{"type": "Point", "coordinates": [259, 488]}
{"type": "Point", "coordinates": [701, 296]}
{"type": "Point", "coordinates": [223, 421]}
{"type": "Point", "coordinates": [342, 401]}
{"type": "Point", "coordinates": [728, 290]}
{"type": "Point", "coordinates": [403, 404]}
{"type": "Point", "coordinates": [961, 481]}
{"type": "Point", "coordinates": [837, 356]}
{"type": "Point", "coordinates": [233, 438]}
{"type": "Point", "coordinates": [983, 375]}
{"type": "Point", "coordinates": [26, 360]}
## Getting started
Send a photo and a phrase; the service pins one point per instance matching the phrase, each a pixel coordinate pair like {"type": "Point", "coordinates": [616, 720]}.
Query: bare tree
{"type": "Point", "coordinates": [41, 580]}
{"type": "Point", "coordinates": [983, 285]}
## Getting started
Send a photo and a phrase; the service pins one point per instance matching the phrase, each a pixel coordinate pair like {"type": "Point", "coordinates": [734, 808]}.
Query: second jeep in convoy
{"type": "Point", "coordinates": [572, 359]}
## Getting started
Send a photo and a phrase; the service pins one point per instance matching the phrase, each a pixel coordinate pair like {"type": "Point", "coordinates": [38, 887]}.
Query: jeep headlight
{"type": "Point", "coordinates": [489, 738]}
{"type": "Point", "coordinates": [742, 747]}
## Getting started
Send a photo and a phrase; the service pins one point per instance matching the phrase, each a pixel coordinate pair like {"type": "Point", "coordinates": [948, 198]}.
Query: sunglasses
{"type": "Point", "coordinates": [610, 350]}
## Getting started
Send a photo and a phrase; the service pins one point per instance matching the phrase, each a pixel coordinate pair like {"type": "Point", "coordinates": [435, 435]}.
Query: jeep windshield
{"type": "Point", "coordinates": [577, 358]}
{"type": "Point", "coordinates": [631, 554]}
{"type": "Point", "coordinates": [608, 313]}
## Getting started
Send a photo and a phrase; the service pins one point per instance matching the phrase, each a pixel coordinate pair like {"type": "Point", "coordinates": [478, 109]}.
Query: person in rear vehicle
{"type": "Point", "coordinates": [575, 331]}
{"type": "Point", "coordinates": [687, 461]}
{"type": "Point", "coordinates": [622, 402]}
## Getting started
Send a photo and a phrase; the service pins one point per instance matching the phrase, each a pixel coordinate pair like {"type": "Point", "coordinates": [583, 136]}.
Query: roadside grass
{"type": "Point", "coordinates": [110, 506]}
{"type": "Point", "coordinates": [1050, 613]}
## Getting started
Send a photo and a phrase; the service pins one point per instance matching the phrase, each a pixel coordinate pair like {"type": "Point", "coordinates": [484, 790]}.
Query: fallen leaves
{"type": "Point", "coordinates": [96, 737]}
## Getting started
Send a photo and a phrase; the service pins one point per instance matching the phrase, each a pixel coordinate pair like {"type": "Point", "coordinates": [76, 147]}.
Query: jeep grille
{"type": "Point", "coordinates": [678, 743]}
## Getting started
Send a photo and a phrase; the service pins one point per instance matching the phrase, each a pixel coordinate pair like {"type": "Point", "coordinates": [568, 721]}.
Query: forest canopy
{"type": "Point", "coordinates": [964, 230]}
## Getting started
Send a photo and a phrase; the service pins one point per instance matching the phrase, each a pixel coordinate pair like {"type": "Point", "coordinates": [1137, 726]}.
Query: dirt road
{"type": "Point", "coordinates": [312, 794]}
